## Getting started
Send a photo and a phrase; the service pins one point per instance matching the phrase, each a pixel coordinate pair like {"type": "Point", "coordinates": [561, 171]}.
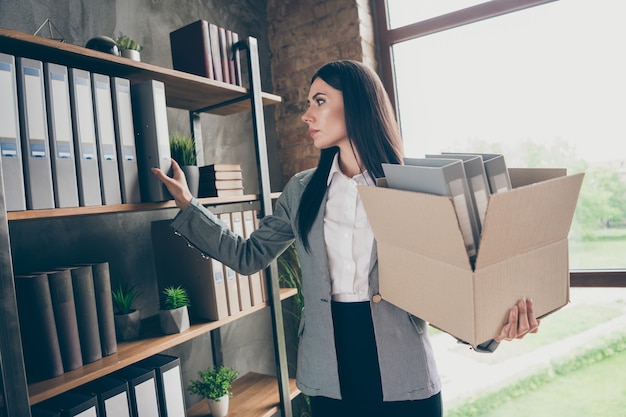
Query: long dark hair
{"type": "Point", "coordinates": [371, 126]}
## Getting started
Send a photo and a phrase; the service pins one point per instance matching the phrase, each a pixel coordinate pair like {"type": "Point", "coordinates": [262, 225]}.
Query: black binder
{"type": "Point", "coordinates": [112, 395]}
{"type": "Point", "coordinates": [69, 404]}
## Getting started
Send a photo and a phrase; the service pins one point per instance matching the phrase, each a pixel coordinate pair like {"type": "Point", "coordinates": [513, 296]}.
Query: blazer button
{"type": "Point", "coordinates": [376, 298]}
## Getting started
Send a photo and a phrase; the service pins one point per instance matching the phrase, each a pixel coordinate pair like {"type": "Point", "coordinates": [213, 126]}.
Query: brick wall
{"type": "Point", "coordinates": [304, 35]}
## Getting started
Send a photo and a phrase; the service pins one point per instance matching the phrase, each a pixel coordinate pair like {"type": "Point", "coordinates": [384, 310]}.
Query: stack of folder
{"type": "Point", "coordinates": [467, 178]}
{"type": "Point", "coordinates": [220, 180]}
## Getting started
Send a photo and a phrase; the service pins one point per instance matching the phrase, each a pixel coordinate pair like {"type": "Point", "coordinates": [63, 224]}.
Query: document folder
{"type": "Point", "coordinates": [256, 286]}
{"type": "Point", "coordinates": [153, 143]}
{"type": "Point", "coordinates": [84, 127]}
{"type": "Point", "coordinates": [476, 181]}
{"type": "Point", "coordinates": [144, 400]}
{"type": "Point", "coordinates": [232, 290]}
{"type": "Point", "coordinates": [125, 136]}
{"type": "Point", "coordinates": [105, 140]}
{"type": "Point", "coordinates": [10, 142]}
{"type": "Point", "coordinates": [62, 153]}
{"type": "Point", "coordinates": [112, 396]}
{"type": "Point", "coordinates": [169, 383]}
{"type": "Point", "coordinates": [34, 130]}
{"type": "Point", "coordinates": [444, 177]}
{"type": "Point", "coordinates": [178, 264]}
{"type": "Point", "coordinates": [70, 404]}
{"type": "Point", "coordinates": [243, 283]}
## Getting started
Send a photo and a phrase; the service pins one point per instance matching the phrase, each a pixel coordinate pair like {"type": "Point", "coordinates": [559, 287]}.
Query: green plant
{"type": "Point", "coordinates": [174, 297]}
{"type": "Point", "coordinates": [123, 299]}
{"type": "Point", "coordinates": [213, 382]}
{"type": "Point", "coordinates": [183, 149]}
{"type": "Point", "coordinates": [125, 42]}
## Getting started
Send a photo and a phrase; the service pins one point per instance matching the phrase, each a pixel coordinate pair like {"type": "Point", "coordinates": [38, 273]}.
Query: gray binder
{"type": "Point", "coordinates": [10, 146]}
{"type": "Point", "coordinates": [84, 138]}
{"type": "Point", "coordinates": [445, 177]}
{"type": "Point", "coordinates": [476, 181]}
{"type": "Point", "coordinates": [125, 136]}
{"type": "Point", "coordinates": [61, 138]}
{"type": "Point", "coordinates": [34, 130]}
{"type": "Point", "coordinates": [153, 144]}
{"type": "Point", "coordinates": [105, 139]}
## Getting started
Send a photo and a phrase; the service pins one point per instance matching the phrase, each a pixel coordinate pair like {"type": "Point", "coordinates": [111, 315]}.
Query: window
{"type": "Point", "coordinates": [545, 86]}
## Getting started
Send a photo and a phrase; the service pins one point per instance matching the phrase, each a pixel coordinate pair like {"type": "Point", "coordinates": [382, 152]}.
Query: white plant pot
{"type": "Point", "coordinates": [132, 54]}
{"type": "Point", "coordinates": [219, 408]}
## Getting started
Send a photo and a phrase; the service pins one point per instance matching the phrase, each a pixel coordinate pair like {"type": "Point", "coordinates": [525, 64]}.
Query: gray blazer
{"type": "Point", "coordinates": [407, 364]}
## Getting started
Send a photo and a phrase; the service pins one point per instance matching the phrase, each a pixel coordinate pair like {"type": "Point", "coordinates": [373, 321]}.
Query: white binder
{"type": "Point", "coordinates": [34, 130]}
{"type": "Point", "coordinates": [125, 137]}
{"type": "Point", "coordinates": [105, 139]}
{"type": "Point", "coordinates": [62, 154]}
{"type": "Point", "coordinates": [10, 143]}
{"type": "Point", "coordinates": [86, 153]}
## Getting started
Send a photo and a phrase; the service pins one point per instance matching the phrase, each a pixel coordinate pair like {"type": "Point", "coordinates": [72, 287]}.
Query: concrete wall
{"type": "Point", "coordinates": [124, 239]}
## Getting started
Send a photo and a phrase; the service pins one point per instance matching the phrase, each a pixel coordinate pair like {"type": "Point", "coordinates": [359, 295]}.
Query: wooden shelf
{"type": "Point", "coordinates": [254, 395]}
{"type": "Point", "coordinates": [124, 208]}
{"type": "Point", "coordinates": [151, 342]}
{"type": "Point", "coordinates": [182, 90]}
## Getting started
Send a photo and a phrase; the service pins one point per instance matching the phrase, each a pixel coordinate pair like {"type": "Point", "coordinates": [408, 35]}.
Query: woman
{"type": "Point", "coordinates": [358, 354]}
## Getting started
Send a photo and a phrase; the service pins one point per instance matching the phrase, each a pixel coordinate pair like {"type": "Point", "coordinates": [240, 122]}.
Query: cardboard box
{"type": "Point", "coordinates": [523, 252]}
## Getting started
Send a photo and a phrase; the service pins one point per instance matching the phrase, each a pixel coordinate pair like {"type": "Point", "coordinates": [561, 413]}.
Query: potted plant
{"type": "Point", "coordinates": [174, 314]}
{"type": "Point", "coordinates": [214, 384]}
{"type": "Point", "coordinates": [129, 48]}
{"type": "Point", "coordinates": [183, 151]}
{"type": "Point", "coordinates": [127, 319]}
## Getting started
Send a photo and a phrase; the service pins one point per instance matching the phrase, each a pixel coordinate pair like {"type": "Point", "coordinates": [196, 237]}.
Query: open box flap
{"type": "Point", "coordinates": [528, 217]}
{"type": "Point", "coordinates": [526, 176]}
{"type": "Point", "coordinates": [421, 223]}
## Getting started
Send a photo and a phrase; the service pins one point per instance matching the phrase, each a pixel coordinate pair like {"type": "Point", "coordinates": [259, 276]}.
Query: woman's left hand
{"type": "Point", "coordinates": [522, 321]}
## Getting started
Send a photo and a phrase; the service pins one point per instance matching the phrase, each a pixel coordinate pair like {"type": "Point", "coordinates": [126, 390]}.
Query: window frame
{"type": "Point", "coordinates": [387, 37]}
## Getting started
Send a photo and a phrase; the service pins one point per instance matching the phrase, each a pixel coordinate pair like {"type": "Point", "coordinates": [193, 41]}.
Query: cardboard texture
{"type": "Point", "coordinates": [523, 252]}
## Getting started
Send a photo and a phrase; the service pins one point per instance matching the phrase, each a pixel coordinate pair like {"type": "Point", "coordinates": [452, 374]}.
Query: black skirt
{"type": "Point", "coordinates": [359, 372]}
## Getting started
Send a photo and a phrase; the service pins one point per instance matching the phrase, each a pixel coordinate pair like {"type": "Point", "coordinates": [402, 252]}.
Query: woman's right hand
{"type": "Point", "coordinates": [176, 184]}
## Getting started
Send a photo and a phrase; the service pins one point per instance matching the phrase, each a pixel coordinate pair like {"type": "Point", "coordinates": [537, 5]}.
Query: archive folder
{"type": "Point", "coordinates": [83, 124]}
{"type": "Point", "coordinates": [232, 290]}
{"type": "Point", "coordinates": [178, 264]}
{"type": "Point", "coordinates": [143, 390]}
{"type": "Point", "coordinates": [42, 354]}
{"type": "Point", "coordinates": [169, 383]}
{"type": "Point", "coordinates": [476, 181]}
{"type": "Point", "coordinates": [191, 49]}
{"type": "Point", "coordinates": [444, 177]}
{"type": "Point", "coordinates": [153, 143]}
{"type": "Point", "coordinates": [10, 142]}
{"type": "Point", "coordinates": [497, 172]}
{"type": "Point", "coordinates": [34, 130]}
{"type": "Point", "coordinates": [62, 153]}
{"type": "Point", "coordinates": [125, 136]}
{"type": "Point", "coordinates": [86, 313]}
{"type": "Point", "coordinates": [62, 296]}
{"type": "Point", "coordinates": [70, 404]}
{"type": "Point", "coordinates": [105, 139]}
{"type": "Point", "coordinates": [112, 396]}
{"type": "Point", "coordinates": [243, 283]}
{"type": "Point", "coordinates": [256, 286]}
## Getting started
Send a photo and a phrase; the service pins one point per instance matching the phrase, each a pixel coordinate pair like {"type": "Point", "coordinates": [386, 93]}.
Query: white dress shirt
{"type": "Point", "coordinates": [348, 236]}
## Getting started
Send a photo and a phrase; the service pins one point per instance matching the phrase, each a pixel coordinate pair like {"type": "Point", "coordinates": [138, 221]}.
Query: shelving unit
{"type": "Point", "coordinates": [259, 395]}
